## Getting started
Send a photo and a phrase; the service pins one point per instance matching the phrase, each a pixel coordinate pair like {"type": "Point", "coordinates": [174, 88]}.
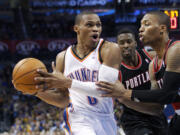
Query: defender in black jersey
{"type": "Point", "coordinates": [154, 31]}
{"type": "Point", "coordinates": [138, 118]}
{"type": "Point", "coordinates": [157, 68]}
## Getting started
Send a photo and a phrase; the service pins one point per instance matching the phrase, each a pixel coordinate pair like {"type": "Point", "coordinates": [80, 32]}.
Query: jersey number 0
{"type": "Point", "coordinates": [92, 100]}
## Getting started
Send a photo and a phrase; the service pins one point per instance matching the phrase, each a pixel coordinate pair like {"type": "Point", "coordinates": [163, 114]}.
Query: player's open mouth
{"type": "Point", "coordinates": [95, 37]}
{"type": "Point", "coordinates": [140, 37]}
{"type": "Point", "coordinates": [126, 51]}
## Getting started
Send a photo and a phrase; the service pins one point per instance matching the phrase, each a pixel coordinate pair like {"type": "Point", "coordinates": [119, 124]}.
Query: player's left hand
{"type": "Point", "coordinates": [111, 89]}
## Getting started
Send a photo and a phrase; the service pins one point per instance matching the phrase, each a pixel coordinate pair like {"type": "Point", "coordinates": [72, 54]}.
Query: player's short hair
{"type": "Point", "coordinates": [126, 30]}
{"type": "Point", "coordinates": [79, 16]}
{"type": "Point", "coordinates": [162, 18]}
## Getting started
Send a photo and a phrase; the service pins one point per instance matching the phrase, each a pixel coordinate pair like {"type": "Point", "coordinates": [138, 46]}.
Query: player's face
{"type": "Point", "coordinates": [149, 32]}
{"type": "Point", "coordinates": [89, 29]}
{"type": "Point", "coordinates": [127, 44]}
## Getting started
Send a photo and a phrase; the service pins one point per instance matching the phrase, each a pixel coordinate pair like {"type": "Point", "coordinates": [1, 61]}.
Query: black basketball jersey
{"type": "Point", "coordinates": [137, 78]}
{"type": "Point", "coordinates": [160, 69]}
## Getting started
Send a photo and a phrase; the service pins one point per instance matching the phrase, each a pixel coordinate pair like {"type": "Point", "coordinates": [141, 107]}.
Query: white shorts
{"type": "Point", "coordinates": [89, 124]}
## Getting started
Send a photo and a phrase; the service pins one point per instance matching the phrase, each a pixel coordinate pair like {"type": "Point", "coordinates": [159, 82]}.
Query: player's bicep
{"type": "Point", "coordinates": [110, 54]}
{"type": "Point", "coordinates": [173, 58]}
{"type": "Point", "coordinates": [111, 58]}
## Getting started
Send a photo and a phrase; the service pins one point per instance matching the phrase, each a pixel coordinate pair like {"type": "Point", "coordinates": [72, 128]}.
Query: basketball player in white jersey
{"type": "Point", "coordinates": [90, 60]}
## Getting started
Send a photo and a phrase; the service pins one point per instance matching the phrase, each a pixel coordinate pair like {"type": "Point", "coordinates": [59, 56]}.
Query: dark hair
{"type": "Point", "coordinates": [126, 30]}
{"type": "Point", "coordinates": [79, 16]}
{"type": "Point", "coordinates": [162, 18]}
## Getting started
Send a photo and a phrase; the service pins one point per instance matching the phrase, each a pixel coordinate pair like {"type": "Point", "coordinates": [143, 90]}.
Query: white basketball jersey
{"type": "Point", "coordinates": [86, 70]}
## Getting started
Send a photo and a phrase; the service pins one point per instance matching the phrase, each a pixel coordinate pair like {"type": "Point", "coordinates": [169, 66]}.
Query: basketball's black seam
{"type": "Point", "coordinates": [24, 84]}
{"type": "Point", "coordinates": [27, 73]}
{"type": "Point", "coordinates": [20, 66]}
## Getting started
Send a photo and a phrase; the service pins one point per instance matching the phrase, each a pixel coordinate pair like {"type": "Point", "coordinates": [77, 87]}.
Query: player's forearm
{"type": "Point", "coordinates": [166, 95]}
{"type": "Point", "coordinates": [147, 108]}
{"type": "Point", "coordinates": [156, 96]}
{"type": "Point", "coordinates": [55, 97]}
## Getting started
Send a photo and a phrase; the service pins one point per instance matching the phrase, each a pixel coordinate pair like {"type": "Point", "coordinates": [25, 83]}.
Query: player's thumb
{"type": "Point", "coordinates": [53, 66]}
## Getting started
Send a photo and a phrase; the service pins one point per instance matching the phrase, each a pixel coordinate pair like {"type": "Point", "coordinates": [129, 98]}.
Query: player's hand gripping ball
{"type": "Point", "coordinates": [24, 73]}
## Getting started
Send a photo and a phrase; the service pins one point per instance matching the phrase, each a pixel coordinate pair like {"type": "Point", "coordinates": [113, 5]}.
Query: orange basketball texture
{"type": "Point", "coordinates": [24, 73]}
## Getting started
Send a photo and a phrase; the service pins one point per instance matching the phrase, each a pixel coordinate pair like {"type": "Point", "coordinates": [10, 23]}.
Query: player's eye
{"type": "Point", "coordinates": [146, 23]}
{"type": "Point", "coordinates": [98, 25]}
{"type": "Point", "coordinates": [121, 42]}
{"type": "Point", "coordinates": [129, 41]}
{"type": "Point", "coordinates": [89, 25]}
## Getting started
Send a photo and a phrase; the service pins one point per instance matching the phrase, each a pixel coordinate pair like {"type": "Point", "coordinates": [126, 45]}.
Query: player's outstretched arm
{"type": "Point", "coordinates": [108, 72]}
{"type": "Point", "coordinates": [166, 95]}
{"type": "Point", "coordinates": [171, 80]}
{"type": "Point", "coordinates": [146, 108]}
{"type": "Point", "coordinates": [56, 97]}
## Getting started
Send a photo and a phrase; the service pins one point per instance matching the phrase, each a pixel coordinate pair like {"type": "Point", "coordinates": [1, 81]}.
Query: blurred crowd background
{"type": "Point", "coordinates": [43, 28]}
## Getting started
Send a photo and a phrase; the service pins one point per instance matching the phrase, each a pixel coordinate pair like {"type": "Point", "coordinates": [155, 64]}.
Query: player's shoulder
{"type": "Point", "coordinates": [110, 52]}
{"type": "Point", "coordinates": [174, 49]}
{"type": "Point", "coordinates": [175, 45]}
{"type": "Point", "coordinates": [60, 60]}
{"type": "Point", "coordinates": [151, 54]}
{"type": "Point", "coordinates": [61, 55]}
{"type": "Point", "coordinates": [110, 46]}
{"type": "Point", "coordinates": [148, 53]}
{"type": "Point", "coordinates": [172, 57]}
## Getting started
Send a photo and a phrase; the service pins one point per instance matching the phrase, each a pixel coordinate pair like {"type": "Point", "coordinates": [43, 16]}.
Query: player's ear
{"type": "Point", "coordinates": [76, 28]}
{"type": "Point", "coordinates": [163, 28]}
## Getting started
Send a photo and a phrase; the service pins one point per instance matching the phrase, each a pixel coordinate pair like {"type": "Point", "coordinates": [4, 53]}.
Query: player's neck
{"type": "Point", "coordinates": [133, 61]}
{"type": "Point", "coordinates": [160, 47]}
{"type": "Point", "coordinates": [82, 50]}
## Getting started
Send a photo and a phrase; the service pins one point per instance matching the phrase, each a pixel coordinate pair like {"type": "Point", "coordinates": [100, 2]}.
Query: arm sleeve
{"type": "Point", "coordinates": [168, 94]}
{"type": "Point", "coordinates": [106, 73]}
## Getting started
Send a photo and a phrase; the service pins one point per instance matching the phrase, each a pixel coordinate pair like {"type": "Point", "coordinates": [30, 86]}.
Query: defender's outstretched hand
{"type": "Point", "coordinates": [112, 89]}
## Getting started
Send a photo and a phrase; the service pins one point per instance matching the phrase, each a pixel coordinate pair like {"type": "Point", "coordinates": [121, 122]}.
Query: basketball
{"type": "Point", "coordinates": [24, 73]}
